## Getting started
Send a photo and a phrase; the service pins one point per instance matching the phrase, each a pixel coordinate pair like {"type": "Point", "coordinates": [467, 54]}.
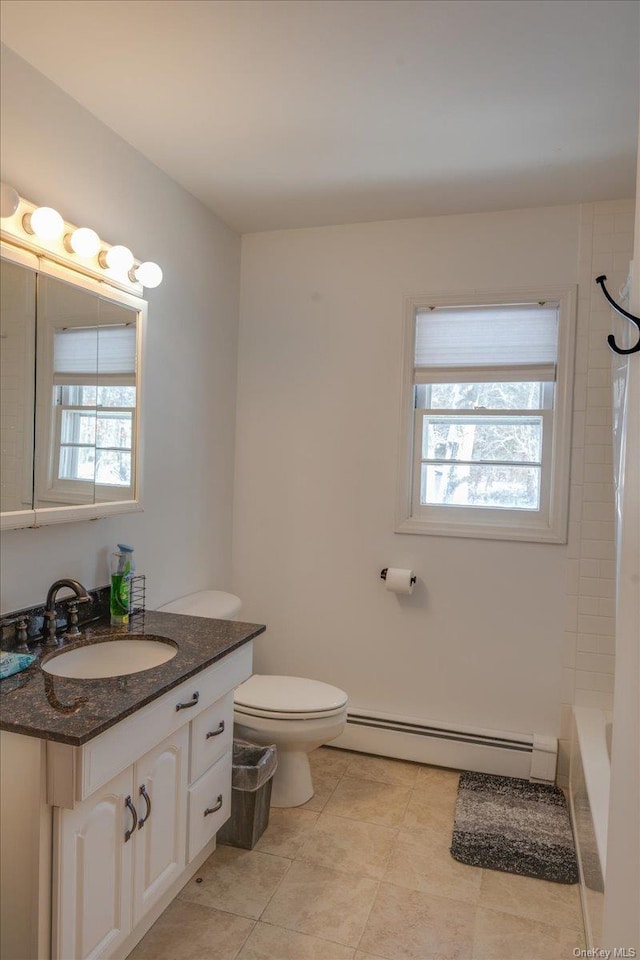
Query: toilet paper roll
{"type": "Point", "coordinates": [399, 581]}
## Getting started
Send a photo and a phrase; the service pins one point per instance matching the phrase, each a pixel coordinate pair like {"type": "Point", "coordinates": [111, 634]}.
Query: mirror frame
{"type": "Point", "coordinates": [43, 516]}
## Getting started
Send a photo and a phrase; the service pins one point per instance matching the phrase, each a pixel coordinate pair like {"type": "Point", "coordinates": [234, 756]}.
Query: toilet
{"type": "Point", "coordinates": [295, 713]}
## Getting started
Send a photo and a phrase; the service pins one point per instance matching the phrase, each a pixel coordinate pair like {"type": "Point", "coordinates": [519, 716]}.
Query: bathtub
{"type": "Point", "coordinates": [589, 782]}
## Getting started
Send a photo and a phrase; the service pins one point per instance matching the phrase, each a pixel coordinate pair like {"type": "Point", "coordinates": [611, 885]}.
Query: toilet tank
{"type": "Point", "coordinates": [207, 603]}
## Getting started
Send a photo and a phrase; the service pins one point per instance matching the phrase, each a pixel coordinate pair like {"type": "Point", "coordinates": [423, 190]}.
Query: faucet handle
{"type": "Point", "coordinates": [49, 629]}
{"type": "Point", "coordinates": [20, 633]}
{"type": "Point", "coordinates": [72, 630]}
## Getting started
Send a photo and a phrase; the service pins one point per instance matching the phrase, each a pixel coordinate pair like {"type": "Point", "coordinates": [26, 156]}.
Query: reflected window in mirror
{"type": "Point", "coordinates": [86, 417]}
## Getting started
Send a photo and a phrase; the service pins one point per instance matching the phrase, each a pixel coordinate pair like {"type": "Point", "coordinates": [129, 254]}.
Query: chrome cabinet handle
{"type": "Point", "coordinates": [143, 820]}
{"type": "Point", "coordinates": [216, 733]}
{"type": "Point", "coordinates": [192, 702]}
{"type": "Point", "coordinates": [129, 833]}
{"type": "Point", "coordinates": [217, 806]}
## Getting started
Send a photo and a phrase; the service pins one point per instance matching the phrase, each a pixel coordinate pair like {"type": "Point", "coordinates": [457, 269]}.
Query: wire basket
{"type": "Point", "coordinates": [137, 601]}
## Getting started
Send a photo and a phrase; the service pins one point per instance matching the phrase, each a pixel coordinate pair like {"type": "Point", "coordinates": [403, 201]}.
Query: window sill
{"type": "Point", "coordinates": [84, 493]}
{"type": "Point", "coordinates": [482, 531]}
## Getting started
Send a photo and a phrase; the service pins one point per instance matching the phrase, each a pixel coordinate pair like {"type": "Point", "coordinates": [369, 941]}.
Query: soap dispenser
{"type": "Point", "coordinates": [122, 567]}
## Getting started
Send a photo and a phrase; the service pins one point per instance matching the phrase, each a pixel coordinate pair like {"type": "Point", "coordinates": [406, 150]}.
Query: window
{"type": "Point", "coordinates": [94, 433]}
{"type": "Point", "coordinates": [487, 430]}
{"type": "Point", "coordinates": [93, 411]}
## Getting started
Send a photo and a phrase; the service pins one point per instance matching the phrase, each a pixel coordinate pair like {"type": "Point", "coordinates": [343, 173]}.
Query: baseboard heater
{"type": "Point", "coordinates": [532, 757]}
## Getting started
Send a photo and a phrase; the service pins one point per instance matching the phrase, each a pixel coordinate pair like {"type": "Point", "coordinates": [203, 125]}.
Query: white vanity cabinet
{"type": "Point", "coordinates": [135, 814]}
{"type": "Point", "coordinates": [117, 852]}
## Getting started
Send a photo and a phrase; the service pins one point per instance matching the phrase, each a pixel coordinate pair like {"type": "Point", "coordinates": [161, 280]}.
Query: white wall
{"type": "Point", "coordinates": [480, 641]}
{"type": "Point", "coordinates": [55, 152]}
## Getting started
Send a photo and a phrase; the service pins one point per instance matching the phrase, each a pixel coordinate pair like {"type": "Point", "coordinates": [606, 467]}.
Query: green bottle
{"type": "Point", "coordinates": [121, 570]}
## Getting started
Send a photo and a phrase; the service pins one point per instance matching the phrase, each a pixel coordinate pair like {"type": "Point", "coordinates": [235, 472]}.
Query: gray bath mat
{"type": "Point", "coordinates": [512, 825]}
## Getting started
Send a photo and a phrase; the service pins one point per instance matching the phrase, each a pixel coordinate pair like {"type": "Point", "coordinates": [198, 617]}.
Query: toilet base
{"type": "Point", "coordinates": [292, 782]}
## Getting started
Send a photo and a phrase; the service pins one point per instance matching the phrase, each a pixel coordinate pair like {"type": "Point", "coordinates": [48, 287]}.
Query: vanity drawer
{"type": "Point", "coordinates": [209, 805]}
{"type": "Point", "coordinates": [211, 735]}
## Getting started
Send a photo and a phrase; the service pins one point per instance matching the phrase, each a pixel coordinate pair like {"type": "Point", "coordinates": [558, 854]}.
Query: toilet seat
{"type": "Point", "coordinates": [291, 715]}
{"type": "Point", "coordinates": [288, 698]}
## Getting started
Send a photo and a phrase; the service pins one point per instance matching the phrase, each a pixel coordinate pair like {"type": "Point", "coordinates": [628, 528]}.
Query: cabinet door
{"type": "Point", "coordinates": [93, 873]}
{"type": "Point", "coordinates": [160, 842]}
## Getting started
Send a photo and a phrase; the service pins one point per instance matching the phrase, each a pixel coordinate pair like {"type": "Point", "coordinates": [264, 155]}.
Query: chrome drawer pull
{"type": "Point", "coordinates": [192, 702]}
{"type": "Point", "coordinates": [216, 733]}
{"type": "Point", "coordinates": [214, 809]}
{"type": "Point", "coordinates": [129, 833]}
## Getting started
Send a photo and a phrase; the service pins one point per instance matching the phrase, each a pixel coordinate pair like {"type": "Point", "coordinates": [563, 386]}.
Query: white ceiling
{"type": "Point", "coordinates": [287, 113]}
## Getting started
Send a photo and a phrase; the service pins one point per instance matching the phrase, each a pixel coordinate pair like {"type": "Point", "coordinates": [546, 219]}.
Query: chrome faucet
{"type": "Point", "coordinates": [49, 628]}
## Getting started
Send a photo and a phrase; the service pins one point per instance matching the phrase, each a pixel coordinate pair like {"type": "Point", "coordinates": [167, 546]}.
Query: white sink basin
{"type": "Point", "coordinates": [111, 658]}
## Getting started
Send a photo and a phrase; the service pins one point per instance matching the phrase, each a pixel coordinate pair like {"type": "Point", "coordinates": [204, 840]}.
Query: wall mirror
{"type": "Point", "coordinates": [70, 414]}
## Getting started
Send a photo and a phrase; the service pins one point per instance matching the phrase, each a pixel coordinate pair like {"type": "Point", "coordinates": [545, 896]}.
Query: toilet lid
{"type": "Point", "coordinates": [207, 603]}
{"type": "Point", "coordinates": [279, 696]}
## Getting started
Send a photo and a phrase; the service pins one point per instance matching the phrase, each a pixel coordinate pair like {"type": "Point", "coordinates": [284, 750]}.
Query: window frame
{"type": "Point", "coordinates": [549, 525]}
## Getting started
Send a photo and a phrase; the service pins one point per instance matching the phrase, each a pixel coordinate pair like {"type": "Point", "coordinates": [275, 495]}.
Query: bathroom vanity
{"type": "Point", "coordinates": [113, 789]}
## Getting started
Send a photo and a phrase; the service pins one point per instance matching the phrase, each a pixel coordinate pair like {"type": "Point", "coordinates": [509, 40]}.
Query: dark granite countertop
{"type": "Point", "coordinates": [37, 704]}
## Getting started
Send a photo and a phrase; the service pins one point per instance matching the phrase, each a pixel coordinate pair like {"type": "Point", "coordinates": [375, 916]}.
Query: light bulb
{"type": "Point", "coordinates": [45, 222]}
{"type": "Point", "coordinates": [85, 242]}
{"type": "Point", "coordinates": [118, 258]}
{"type": "Point", "coordinates": [148, 274]}
{"type": "Point", "coordinates": [9, 201]}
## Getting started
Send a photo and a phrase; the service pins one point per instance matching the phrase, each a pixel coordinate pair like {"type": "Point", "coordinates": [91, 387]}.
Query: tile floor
{"type": "Point", "coordinates": [363, 872]}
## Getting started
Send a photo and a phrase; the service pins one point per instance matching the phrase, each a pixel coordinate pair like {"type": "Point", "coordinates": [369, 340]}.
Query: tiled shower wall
{"type": "Point", "coordinates": [606, 247]}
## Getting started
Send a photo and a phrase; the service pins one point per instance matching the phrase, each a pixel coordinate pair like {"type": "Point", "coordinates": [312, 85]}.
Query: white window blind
{"type": "Point", "coordinates": [514, 335]}
{"type": "Point", "coordinates": [95, 350]}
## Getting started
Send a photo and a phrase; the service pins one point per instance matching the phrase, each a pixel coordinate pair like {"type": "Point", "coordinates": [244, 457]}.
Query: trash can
{"type": "Point", "coordinates": [253, 770]}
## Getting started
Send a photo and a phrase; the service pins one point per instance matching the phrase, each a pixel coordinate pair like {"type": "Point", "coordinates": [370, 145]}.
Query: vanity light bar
{"type": "Point", "coordinates": [43, 231]}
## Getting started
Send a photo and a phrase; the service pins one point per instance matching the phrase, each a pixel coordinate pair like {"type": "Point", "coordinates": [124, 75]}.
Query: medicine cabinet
{"type": "Point", "coordinates": [70, 413]}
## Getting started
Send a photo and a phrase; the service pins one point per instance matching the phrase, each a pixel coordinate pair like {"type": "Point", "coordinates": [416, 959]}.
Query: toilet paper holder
{"type": "Point", "coordinates": [383, 576]}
